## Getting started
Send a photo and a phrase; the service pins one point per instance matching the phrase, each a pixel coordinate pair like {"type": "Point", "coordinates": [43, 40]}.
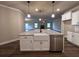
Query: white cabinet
{"type": "Point", "coordinates": [41, 42]}
{"type": "Point", "coordinates": [67, 16]}
{"type": "Point", "coordinates": [36, 45]}
{"type": "Point", "coordinates": [37, 42]}
{"type": "Point", "coordinates": [75, 18]}
{"type": "Point", "coordinates": [26, 43]}
{"type": "Point", "coordinates": [41, 45]}
{"type": "Point", "coordinates": [69, 36]}
{"type": "Point", "coordinates": [45, 45]}
{"type": "Point", "coordinates": [73, 38]}
{"type": "Point", "coordinates": [63, 17]}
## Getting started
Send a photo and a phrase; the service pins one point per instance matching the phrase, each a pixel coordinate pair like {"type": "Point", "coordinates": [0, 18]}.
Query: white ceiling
{"type": "Point", "coordinates": [44, 6]}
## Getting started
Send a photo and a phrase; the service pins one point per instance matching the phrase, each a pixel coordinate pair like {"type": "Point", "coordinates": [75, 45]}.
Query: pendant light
{"type": "Point", "coordinates": [28, 15]}
{"type": "Point", "coordinates": [53, 15]}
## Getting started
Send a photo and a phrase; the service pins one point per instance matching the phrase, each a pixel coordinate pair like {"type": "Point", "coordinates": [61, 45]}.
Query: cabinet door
{"type": "Point", "coordinates": [45, 45]}
{"type": "Point", "coordinates": [26, 45]}
{"type": "Point", "coordinates": [76, 39]}
{"type": "Point", "coordinates": [63, 17]}
{"type": "Point", "coordinates": [36, 45]}
{"type": "Point", "coordinates": [75, 18]}
{"type": "Point", "coordinates": [68, 15]}
{"type": "Point", "coordinates": [69, 36]}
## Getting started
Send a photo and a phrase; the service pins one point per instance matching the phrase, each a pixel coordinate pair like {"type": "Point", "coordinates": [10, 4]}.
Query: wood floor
{"type": "Point", "coordinates": [12, 50]}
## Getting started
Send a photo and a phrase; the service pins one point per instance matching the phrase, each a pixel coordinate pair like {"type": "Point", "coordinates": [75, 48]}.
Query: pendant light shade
{"type": "Point", "coordinates": [53, 15]}
{"type": "Point", "coordinates": [28, 15]}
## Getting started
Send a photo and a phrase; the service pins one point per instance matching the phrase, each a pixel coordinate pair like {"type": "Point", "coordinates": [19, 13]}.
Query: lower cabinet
{"type": "Point", "coordinates": [26, 45]}
{"type": "Point", "coordinates": [45, 45]}
{"type": "Point", "coordinates": [73, 38]}
{"type": "Point", "coordinates": [69, 36]}
{"type": "Point", "coordinates": [29, 43]}
{"type": "Point", "coordinates": [41, 45]}
{"type": "Point", "coordinates": [36, 45]}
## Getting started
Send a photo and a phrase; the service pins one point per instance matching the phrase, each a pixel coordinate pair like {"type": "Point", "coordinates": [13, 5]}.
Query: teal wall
{"type": "Point", "coordinates": [55, 23]}
{"type": "Point", "coordinates": [35, 20]}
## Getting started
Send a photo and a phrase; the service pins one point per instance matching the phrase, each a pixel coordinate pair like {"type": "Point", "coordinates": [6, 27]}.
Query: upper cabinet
{"type": "Point", "coordinates": [75, 18]}
{"type": "Point", "coordinates": [63, 17]}
{"type": "Point", "coordinates": [67, 16]}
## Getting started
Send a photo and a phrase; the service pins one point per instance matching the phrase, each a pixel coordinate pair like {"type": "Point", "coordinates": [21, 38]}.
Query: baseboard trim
{"type": "Point", "coordinates": [6, 42]}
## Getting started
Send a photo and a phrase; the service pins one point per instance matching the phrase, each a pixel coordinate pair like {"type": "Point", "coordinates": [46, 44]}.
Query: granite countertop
{"type": "Point", "coordinates": [25, 33]}
{"type": "Point", "coordinates": [37, 31]}
{"type": "Point", "coordinates": [41, 34]}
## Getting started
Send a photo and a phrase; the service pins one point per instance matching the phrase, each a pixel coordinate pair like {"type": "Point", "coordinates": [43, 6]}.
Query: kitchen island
{"type": "Point", "coordinates": [47, 40]}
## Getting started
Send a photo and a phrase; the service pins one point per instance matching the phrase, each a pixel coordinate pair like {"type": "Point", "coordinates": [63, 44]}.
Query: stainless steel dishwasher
{"type": "Point", "coordinates": [56, 42]}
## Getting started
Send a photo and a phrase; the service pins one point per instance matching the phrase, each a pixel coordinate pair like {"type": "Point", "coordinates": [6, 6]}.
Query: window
{"type": "Point", "coordinates": [35, 25]}
{"type": "Point", "coordinates": [48, 25]}
{"type": "Point", "coordinates": [28, 27]}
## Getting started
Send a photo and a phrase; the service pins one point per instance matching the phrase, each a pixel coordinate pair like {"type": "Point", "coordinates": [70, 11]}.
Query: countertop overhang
{"type": "Point", "coordinates": [45, 31]}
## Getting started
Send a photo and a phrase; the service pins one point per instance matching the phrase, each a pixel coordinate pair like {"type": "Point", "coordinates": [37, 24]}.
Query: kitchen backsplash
{"type": "Point", "coordinates": [76, 29]}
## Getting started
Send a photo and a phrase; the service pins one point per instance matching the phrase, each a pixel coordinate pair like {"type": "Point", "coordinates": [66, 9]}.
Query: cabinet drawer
{"type": "Point", "coordinates": [23, 37]}
{"type": "Point", "coordinates": [26, 37]}
{"type": "Point", "coordinates": [29, 37]}
{"type": "Point", "coordinates": [41, 38]}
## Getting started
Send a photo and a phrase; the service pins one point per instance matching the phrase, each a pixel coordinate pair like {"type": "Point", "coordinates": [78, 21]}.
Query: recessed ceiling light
{"type": "Point", "coordinates": [36, 9]}
{"type": "Point", "coordinates": [58, 9]}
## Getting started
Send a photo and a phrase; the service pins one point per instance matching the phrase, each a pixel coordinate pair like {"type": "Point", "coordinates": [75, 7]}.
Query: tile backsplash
{"type": "Point", "coordinates": [76, 28]}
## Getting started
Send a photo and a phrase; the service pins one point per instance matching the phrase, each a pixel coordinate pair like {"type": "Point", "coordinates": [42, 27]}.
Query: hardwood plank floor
{"type": "Point", "coordinates": [12, 50]}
